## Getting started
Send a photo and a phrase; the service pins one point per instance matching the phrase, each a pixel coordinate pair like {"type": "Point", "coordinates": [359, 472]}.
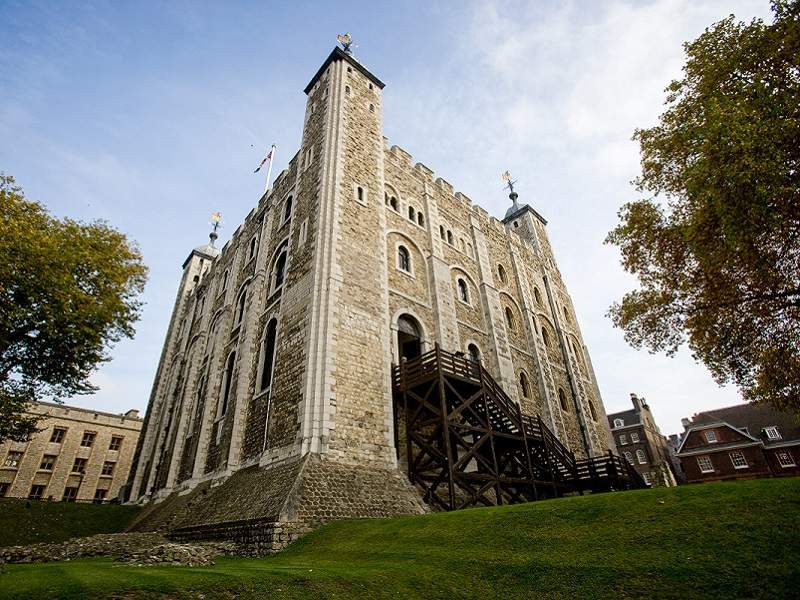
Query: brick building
{"type": "Point", "coordinates": [740, 442]}
{"type": "Point", "coordinates": [274, 383]}
{"type": "Point", "coordinates": [640, 442]}
{"type": "Point", "coordinates": [76, 455]}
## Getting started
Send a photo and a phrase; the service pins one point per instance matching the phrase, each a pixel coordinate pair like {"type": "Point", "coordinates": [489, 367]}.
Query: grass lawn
{"type": "Point", "coordinates": [726, 540]}
{"type": "Point", "coordinates": [24, 522]}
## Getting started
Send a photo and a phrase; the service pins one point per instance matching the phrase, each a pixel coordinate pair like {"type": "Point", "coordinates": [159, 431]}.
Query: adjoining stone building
{"type": "Point", "coordinates": [273, 398]}
{"type": "Point", "coordinates": [641, 443]}
{"type": "Point", "coordinates": [77, 454]}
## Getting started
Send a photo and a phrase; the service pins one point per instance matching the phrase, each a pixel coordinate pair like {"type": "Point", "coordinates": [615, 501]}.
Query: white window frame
{"type": "Point", "coordinates": [623, 440]}
{"type": "Point", "coordinates": [629, 457]}
{"type": "Point", "coordinates": [738, 457]}
{"type": "Point", "coordinates": [711, 436]}
{"type": "Point", "coordinates": [647, 478]}
{"type": "Point", "coordinates": [365, 194]}
{"type": "Point", "coordinates": [641, 457]}
{"type": "Point", "coordinates": [772, 433]}
{"type": "Point", "coordinates": [410, 270]}
{"type": "Point", "coordinates": [619, 423]}
{"type": "Point", "coordinates": [789, 459]}
{"type": "Point", "coordinates": [705, 464]}
{"type": "Point", "coordinates": [634, 437]}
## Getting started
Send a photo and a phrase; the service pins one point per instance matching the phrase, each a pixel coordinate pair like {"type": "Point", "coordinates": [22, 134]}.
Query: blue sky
{"type": "Point", "coordinates": [154, 115]}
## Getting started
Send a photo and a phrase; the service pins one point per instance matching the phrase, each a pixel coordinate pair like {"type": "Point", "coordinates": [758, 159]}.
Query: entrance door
{"type": "Point", "coordinates": [409, 345]}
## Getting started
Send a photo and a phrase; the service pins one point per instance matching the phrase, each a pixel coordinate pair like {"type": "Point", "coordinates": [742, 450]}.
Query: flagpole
{"type": "Point", "coordinates": [269, 171]}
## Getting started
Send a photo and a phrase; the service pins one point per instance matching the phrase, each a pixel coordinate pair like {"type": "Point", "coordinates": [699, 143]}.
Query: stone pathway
{"type": "Point", "coordinates": [131, 548]}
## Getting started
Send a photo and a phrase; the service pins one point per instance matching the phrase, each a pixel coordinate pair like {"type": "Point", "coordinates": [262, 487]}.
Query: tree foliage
{"type": "Point", "coordinates": [68, 291]}
{"type": "Point", "coordinates": [716, 246]}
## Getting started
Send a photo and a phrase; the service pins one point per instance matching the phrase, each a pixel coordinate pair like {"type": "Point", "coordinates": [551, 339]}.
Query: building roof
{"type": "Point", "coordinates": [754, 417]}
{"type": "Point", "coordinates": [517, 210]}
{"type": "Point", "coordinates": [339, 54]}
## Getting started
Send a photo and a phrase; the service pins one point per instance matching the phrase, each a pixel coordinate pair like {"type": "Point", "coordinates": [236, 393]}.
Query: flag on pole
{"type": "Point", "coordinates": [266, 158]}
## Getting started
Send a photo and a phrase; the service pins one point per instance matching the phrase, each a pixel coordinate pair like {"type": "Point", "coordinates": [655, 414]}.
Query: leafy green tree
{"type": "Point", "coordinates": [716, 246]}
{"type": "Point", "coordinates": [68, 291]}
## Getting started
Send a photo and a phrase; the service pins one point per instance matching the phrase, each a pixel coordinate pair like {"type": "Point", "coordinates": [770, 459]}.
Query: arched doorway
{"type": "Point", "coordinates": [409, 338]}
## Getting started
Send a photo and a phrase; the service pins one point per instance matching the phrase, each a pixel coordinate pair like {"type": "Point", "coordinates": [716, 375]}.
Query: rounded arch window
{"type": "Point", "coordinates": [403, 259]}
{"type": "Point", "coordinates": [268, 354]}
{"type": "Point", "coordinates": [566, 314]}
{"type": "Point", "coordinates": [545, 337]}
{"type": "Point", "coordinates": [287, 209]}
{"type": "Point", "coordinates": [393, 203]}
{"type": "Point", "coordinates": [449, 237]}
{"type": "Point", "coordinates": [240, 305]}
{"type": "Point", "coordinates": [227, 383]}
{"type": "Point", "coordinates": [463, 291]}
{"type": "Point", "coordinates": [474, 354]}
{"type": "Point", "coordinates": [411, 214]}
{"type": "Point", "coordinates": [501, 274]}
{"type": "Point", "coordinates": [524, 385]}
{"type": "Point", "coordinates": [441, 231]}
{"type": "Point", "coordinates": [562, 400]}
{"type": "Point", "coordinates": [420, 219]}
{"type": "Point", "coordinates": [537, 296]}
{"type": "Point", "coordinates": [279, 270]}
{"type": "Point", "coordinates": [509, 318]}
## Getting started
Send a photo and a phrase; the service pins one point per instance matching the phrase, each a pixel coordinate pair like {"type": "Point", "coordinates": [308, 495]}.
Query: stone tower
{"type": "Point", "coordinates": [272, 402]}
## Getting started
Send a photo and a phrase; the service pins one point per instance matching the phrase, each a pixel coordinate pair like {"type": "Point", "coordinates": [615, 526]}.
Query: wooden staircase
{"type": "Point", "coordinates": [465, 443]}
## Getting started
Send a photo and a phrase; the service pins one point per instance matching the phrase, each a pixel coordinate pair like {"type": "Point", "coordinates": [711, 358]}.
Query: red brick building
{"type": "Point", "coordinates": [740, 442]}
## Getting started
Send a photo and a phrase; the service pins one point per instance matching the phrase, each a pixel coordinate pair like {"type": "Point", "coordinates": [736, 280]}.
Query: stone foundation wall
{"type": "Point", "coordinates": [248, 537]}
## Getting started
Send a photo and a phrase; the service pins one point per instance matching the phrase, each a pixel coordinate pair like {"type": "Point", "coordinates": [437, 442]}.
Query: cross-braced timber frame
{"type": "Point", "coordinates": [465, 443]}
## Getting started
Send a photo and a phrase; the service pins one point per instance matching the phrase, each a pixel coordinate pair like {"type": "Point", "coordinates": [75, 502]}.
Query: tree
{"type": "Point", "coordinates": [716, 246]}
{"type": "Point", "coordinates": [68, 291]}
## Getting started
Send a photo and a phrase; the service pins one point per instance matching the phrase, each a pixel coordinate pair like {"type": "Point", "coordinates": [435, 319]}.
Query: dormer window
{"type": "Point", "coordinates": [711, 436]}
{"type": "Point", "coordinates": [772, 433]}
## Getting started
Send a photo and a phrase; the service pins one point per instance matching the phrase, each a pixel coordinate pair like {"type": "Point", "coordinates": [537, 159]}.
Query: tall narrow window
{"type": "Point", "coordinates": [420, 219]}
{"type": "Point", "coordinates": [411, 213]}
{"type": "Point", "coordinates": [287, 209]}
{"type": "Point", "coordinates": [537, 296]}
{"type": "Point", "coordinates": [509, 318]}
{"type": "Point", "coordinates": [524, 386]}
{"type": "Point", "coordinates": [441, 231]}
{"type": "Point", "coordinates": [641, 457]}
{"type": "Point", "coordinates": [592, 411]}
{"type": "Point", "coordinates": [562, 400]}
{"type": "Point", "coordinates": [463, 291]}
{"type": "Point", "coordinates": [279, 270]}
{"type": "Point", "coordinates": [393, 203]}
{"type": "Point", "coordinates": [566, 314]}
{"type": "Point", "coordinates": [449, 237]}
{"type": "Point", "coordinates": [252, 252]}
{"type": "Point", "coordinates": [501, 273]}
{"type": "Point", "coordinates": [360, 194]}
{"type": "Point", "coordinates": [241, 306]}
{"type": "Point", "coordinates": [403, 259]}
{"type": "Point", "coordinates": [545, 337]}
{"type": "Point", "coordinates": [268, 354]}
{"type": "Point", "coordinates": [474, 353]}
{"type": "Point", "coordinates": [226, 386]}
{"type": "Point", "coordinates": [224, 281]}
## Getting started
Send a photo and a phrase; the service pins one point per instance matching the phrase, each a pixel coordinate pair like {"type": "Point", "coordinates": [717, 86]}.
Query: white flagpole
{"type": "Point", "coordinates": [269, 171]}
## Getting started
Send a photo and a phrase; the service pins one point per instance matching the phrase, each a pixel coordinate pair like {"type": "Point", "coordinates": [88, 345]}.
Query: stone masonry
{"type": "Point", "coordinates": [276, 368]}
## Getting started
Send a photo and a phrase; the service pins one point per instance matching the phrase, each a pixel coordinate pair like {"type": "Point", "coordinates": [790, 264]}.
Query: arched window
{"type": "Point", "coordinates": [562, 399]}
{"type": "Point", "coordinates": [619, 423]}
{"type": "Point", "coordinates": [628, 457]}
{"type": "Point", "coordinates": [224, 281]}
{"type": "Point", "coordinates": [268, 354]}
{"type": "Point", "coordinates": [226, 385]}
{"type": "Point", "coordinates": [592, 411]}
{"type": "Point", "coordinates": [287, 209]}
{"type": "Point", "coordinates": [641, 457]}
{"type": "Point", "coordinates": [501, 273]}
{"type": "Point", "coordinates": [411, 213]}
{"type": "Point", "coordinates": [386, 199]}
{"type": "Point", "coordinates": [441, 231]}
{"type": "Point", "coordinates": [393, 203]}
{"type": "Point", "coordinates": [566, 314]}
{"type": "Point", "coordinates": [420, 219]}
{"type": "Point", "coordinates": [449, 237]}
{"type": "Point", "coordinates": [252, 252]}
{"type": "Point", "coordinates": [463, 291]}
{"type": "Point", "coordinates": [509, 318]}
{"type": "Point", "coordinates": [403, 259]}
{"type": "Point", "coordinates": [279, 270]}
{"type": "Point", "coordinates": [240, 306]}
{"type": "Point", "coordinates": [524, 385]}
{"type": "Point", "coordinates": [537, 296]}
{"type": "Point", "coordinates": [474, 353]}
{"type": "Point", "coordinates": [545, 337]}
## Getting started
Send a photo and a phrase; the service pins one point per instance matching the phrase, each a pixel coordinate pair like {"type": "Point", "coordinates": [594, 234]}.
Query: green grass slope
{"type": "Point", "coordinates": [728, 540]}
{"type": "Point", "coordinates": [23, 522]}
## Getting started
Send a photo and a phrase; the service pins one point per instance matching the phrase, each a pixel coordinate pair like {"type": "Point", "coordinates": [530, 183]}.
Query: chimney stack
{"type": "Point", "coordinates": [685, 422]}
